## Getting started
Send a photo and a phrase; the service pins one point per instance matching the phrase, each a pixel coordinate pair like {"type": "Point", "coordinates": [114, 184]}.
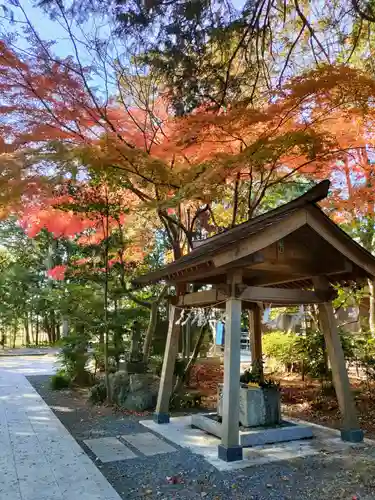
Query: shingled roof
{"type": "Point", "coordinates": [221, 242]}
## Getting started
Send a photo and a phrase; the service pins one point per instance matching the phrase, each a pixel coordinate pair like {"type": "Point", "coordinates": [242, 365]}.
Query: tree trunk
{"type": "Point", "coordinates": [27, 329]}
{"type": "Point", "coordinates": [150, 330]}
{"type": "Point", "coordinates": [53, 327]}
{"type": "Point", "coordinates": [106, 326]}
{"type": "Point", "coordinates": [65, 328]}
{"type": "Point", "coordinates": [47, 328]}
{"type": "Point", "coordinates": [180, 381]}
{"type": "Point", "coordinates": [371, 286]}
{"type": "Point", "coordinates": [32, 329]}
{"type": "Point", "coordinates": [14, 334]}
{"type": "Point", "coordinates": [37, 330]}
{"type": "Point", "coordinates": [152, 324]}
{"type": "Point", "coordinates": [57, 332]}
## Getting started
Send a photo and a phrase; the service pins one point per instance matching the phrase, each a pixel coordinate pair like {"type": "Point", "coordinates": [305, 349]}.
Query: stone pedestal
{"type": "Point", "coordinates": [258, 406]}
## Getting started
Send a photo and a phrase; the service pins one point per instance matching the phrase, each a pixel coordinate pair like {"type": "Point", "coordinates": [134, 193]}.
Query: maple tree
{"type": "Point", "coordinates": [179, 166]}
{"type": "Point", "coordinates": [352, 200]}
{"type": "Point", "coordinates": [183, 170]}
{"type": "Point", "coordinates": [111, 242]}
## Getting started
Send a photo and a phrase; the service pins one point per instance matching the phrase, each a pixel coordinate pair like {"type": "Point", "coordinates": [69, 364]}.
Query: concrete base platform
{"type": "Point", "coordinates": [180, 432]}
{"type": "Point", "coordinates": [256, 436]}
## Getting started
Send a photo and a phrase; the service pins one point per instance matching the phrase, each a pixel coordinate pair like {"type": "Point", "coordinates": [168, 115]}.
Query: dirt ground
{"type": "Point", "coordinates": [308, 401]}
{"type": "Point", "coordinates": [304, 400]}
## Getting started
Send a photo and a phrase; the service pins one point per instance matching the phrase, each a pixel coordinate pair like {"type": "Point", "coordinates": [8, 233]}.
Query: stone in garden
{"type": "Point", "coordinates": [136, 391]}
{"type": "Point", "coordinates": [140, 400]}
{"type": "Point", "coordinates": [118, 382]}
{"type": "Point", "coordinates": [137, 381]}
{"type": "Point", "coordinates": [143, 380]}
{"type": "Point", "coordinates": [143, 391]}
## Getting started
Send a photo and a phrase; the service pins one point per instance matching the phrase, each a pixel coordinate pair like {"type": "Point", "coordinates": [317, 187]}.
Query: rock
{"type": "Point", "coordinates": [122, 396]}
{"type": "Point", "coordinates": [138, 381]}
{"type": "Point", "coordinates": [135, 392]}
{"type": "Point", "coordinates": [144, 399]}
{"type": "Point", "coordinates": [119, 383]}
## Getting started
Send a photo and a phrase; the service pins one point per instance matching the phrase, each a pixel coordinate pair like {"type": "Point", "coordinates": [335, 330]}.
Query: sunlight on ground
{"type": "Point", "coordinates": [63, 409]}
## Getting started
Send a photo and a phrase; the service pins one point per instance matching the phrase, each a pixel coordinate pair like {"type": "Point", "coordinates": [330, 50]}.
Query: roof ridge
{"type": "Point", "coordinates": [312, 196]}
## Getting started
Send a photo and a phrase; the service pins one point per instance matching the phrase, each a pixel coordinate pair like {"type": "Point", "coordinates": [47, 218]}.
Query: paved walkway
{"type": "Point", "coordinates": [29, 351]}
{"type": "Point", "coordinates": [39, 459]}
{"type": "Point", "coordinates": [29, 365]}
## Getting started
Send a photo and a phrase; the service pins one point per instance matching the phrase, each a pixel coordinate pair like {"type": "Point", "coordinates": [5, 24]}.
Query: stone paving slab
{"type": "Point", "coordinates": [109, 449]}
{"type": "Point", "coordinates": [148, 444]}
{"type": "Point", "coordinates": [39, 459]}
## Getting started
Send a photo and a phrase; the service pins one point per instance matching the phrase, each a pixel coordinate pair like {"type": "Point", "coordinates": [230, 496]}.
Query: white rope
{"type": "Point", "coordinates": [197, 315]}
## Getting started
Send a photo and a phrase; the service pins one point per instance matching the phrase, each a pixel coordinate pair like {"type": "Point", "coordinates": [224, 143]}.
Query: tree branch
{"type": "Point", "coordinates": [368, 15]}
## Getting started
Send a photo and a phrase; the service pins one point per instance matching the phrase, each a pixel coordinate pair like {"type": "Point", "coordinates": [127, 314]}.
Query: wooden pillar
{"type": "Point", "coordinates": [350, 426]}
{"type": "Point", "coordinates": [161, 415]}
{"type": "Point", "coordinates": [229, 449]}
{"type": "Point", "coordinates": [188, 339]}
{"type": "Point", "coordinates": [251, 334]}
{"type": "Point", "coordinates": [255, 321]}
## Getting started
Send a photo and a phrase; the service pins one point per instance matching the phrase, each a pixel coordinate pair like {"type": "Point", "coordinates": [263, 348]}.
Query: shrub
{"type": "Point", "coordinates": [98, 393]}
{"type": "Point", "coordinates": [281, 346]}
{"type": "Point", "coordinates": [74, 356]}
{"type": "Point", "coordinates": [248, 376]}
{"type": "Point", "coordinates": [306, 353]}
{"type": "Point", "coordinates": [364, 355]}
{"type": "Point", "coordinates": [60, 380]}
{"type": "Point", "coordinates": [311, 349]}
{"type": "Point", "coordinates": [156, 364]}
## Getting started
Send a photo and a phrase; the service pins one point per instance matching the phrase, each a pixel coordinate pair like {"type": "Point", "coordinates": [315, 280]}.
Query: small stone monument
{"type": "Point", "coordinates": [134, 359]}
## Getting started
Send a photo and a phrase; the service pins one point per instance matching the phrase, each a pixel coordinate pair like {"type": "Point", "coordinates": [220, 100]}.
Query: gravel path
{"type": "Point", "coordinates": [329, 476]}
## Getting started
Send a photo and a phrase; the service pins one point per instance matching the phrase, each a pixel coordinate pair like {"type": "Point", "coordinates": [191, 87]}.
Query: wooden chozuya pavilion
{"type": "Point", "coordinates": [290, 255]}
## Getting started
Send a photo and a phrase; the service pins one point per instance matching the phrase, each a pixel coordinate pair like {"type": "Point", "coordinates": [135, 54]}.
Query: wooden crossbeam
{"type": "Point", "coordinates": [205, 297]}
{"type": "Point", "coordinates": [203, 272]}
{"type": "Point", "coordinates": [280, 295]}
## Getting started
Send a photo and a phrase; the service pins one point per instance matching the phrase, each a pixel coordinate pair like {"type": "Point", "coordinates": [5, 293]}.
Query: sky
{"type": "Point", "coordinates": [50, 30]}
